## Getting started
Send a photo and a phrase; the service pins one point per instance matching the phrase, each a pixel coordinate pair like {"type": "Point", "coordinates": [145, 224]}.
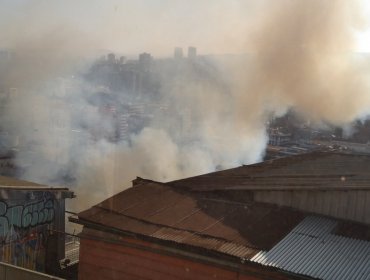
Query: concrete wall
{"type": "Point", "coordinates": [11, 272]}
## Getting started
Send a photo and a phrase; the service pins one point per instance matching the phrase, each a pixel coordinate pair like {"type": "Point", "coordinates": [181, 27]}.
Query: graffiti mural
{"type": "Point", "coordinates": [24, 216]}
{"type": "Point", "coordinates": [24, 228]}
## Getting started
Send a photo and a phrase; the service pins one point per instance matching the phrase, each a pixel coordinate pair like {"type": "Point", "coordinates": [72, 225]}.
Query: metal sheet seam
{"type": "Point", "coordinates": [326, 256]}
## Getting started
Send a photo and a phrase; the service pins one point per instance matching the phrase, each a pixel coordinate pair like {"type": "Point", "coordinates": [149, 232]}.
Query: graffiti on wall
{"type": "Point", "coordinates": [23, 232]}
{"type": "Point", "coordinates": [25, 216]}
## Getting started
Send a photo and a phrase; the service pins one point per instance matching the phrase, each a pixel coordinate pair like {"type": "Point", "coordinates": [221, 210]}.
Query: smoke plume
{"type": "Point", "coordinates": [303, 57]}
{"type": "Point", "coordinates": [292, 54]}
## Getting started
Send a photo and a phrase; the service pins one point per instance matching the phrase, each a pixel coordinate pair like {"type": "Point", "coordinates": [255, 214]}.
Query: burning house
{"type": "Point", "coordinates": [300, 217]}
{"type": "Point", "coordinates": [32, 224]}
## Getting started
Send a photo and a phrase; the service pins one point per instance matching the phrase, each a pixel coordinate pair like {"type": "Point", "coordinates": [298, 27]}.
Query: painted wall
{"type": "Point", "coordinates": [27, 218]}
{"type": "Point", "coordinates": [103, 260]}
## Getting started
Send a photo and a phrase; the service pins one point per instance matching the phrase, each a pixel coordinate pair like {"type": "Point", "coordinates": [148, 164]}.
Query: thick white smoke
{"type": "Point", "coordinates": [299, 55]}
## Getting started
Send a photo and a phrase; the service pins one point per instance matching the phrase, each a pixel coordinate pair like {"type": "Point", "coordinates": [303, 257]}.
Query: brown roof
{"type": "Point", "coordinates": [201, 214]}
{"type": "Point", "coordinates": [12, 183]}
{"type": "Point", "coordinates": [353, 230]}
{"type": "Point", "coordinates": [215, 211]}
{"type": "Point", "coordinates": [312, 171]}
{"type": "Point", "coordinates": [161, 212]}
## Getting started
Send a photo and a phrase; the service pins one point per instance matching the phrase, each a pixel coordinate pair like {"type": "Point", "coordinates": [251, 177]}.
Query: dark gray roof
{"type": "Point", "coordinates": [311, 171]}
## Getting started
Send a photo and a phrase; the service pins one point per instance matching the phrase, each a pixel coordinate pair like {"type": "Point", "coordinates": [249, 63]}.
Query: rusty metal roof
{"type": "Point", "coordinates": [353, 230]}
{"type": "Point", "coordinates": [12, 183]}
{"type": "Point", "coordinates": [195, 213]}
{"type": "Point", "coordinates": [158, 211]}
{"type": "Point", "coordinates": [312, 171]}
{"type": "Point", "coordinates": [286, 239]}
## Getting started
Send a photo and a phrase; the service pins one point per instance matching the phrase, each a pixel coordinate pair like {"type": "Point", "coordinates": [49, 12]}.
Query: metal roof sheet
{"type": "Point", "coordinates": [312, 171]}
{"type": "Point", "coordinates": [313, 249]}
{"type": "Point", "coordinates": [183, 217]}
{"type": "Point", "coordinates": [196, 212]}
{"type": "Point", "coordinates": [214, 244]}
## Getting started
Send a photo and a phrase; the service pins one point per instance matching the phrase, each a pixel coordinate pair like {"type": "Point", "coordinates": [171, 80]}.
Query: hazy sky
{"type": "Point", "coordinates": [133, 26]}
{"type": "Point", "coordinates": [300, 61]}
{"type": "Point", "coordinates": [157, 26]}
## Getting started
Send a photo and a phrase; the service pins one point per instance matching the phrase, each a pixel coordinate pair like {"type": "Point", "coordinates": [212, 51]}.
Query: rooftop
{"type": "Point", "coordinates": [158, 211]}
{"type": "Point", "coordinates": [310, 171]}
{"type": "Point", "coordinates": [12, 183]}
{"type": "Point", "coordinates": [313, 248]}
{"type": "Point", "coordinates": [200, 215]}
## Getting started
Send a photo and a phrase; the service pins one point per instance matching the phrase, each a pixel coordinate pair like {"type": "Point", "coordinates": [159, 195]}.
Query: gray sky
{"type": "Point", "coordinates": [135, 26]}
{"type": "Point", "coordinates": [156, 26]}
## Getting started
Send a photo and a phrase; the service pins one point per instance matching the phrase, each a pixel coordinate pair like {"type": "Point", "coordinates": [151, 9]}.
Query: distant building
{"type": "Point", "coordinates": [300, 217]}
{"type": "Point", "coordinates": [192, 52]}
{"type": "Point", "coordinates": [178, 54]}
{"type": "Point", "coordinates": [122, 60]}
{"type": "Point", "coordinates": [111, 58]}
{"type": "Point", "coordinates": [145, 61]}
{"type": "Point", "coordinates": [31, 224]}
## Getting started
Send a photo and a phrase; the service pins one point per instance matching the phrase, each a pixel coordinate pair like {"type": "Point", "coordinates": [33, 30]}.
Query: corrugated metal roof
{"type": "Point", "coordinates": [159, 211]}
{"type": "Point", "coordinates": [312, 171]}
{"type": "Point", "coordinates": [312, 249]}
{"type": "Point", "coordinates": [214, 244]}
{"type": "Point", "coordinates": [196, 212]}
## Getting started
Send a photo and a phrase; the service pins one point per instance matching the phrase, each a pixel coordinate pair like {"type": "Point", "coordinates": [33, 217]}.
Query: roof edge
{"type": "Point", "coordinates": [234, 263]}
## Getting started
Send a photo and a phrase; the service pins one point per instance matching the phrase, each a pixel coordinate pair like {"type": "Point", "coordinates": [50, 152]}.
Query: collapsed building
{"type": "Point", "coordinates": [300, 217]}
